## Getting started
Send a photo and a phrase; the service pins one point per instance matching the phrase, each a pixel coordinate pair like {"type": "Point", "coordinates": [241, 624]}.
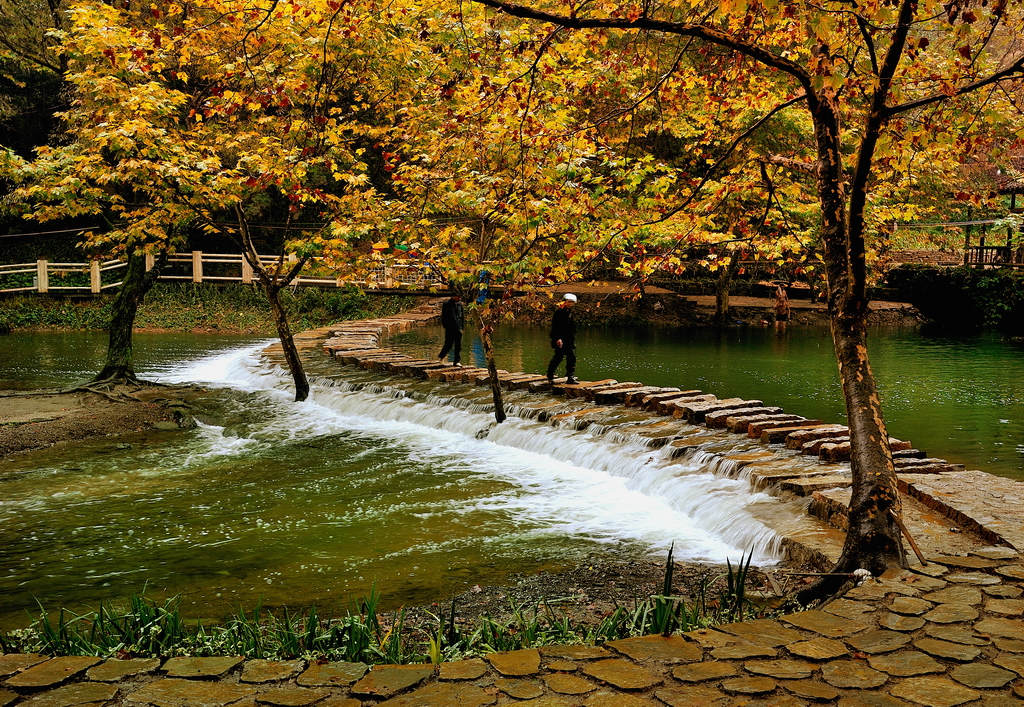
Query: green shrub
{"type": "Point", "coordinates": [963, 298]}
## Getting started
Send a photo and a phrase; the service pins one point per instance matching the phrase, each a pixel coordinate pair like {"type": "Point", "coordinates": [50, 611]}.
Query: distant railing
{"type": "Point", "coordinates": [198, 266]}
{"type": "Point", "coordinates": [994, 256]}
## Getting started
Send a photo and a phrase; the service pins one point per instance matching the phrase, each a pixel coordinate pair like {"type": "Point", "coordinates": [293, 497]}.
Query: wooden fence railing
{"type": "Point", "coordinates": [198, 266]}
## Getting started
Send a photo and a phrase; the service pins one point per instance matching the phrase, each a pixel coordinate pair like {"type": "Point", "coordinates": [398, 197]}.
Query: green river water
{"type": "Point", "coordinates": [285, 504]}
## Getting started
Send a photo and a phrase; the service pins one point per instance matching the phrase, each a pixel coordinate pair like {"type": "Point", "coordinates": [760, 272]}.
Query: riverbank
{"type": "Point", "coordinates": [226, 309]}
{"type": "Point", "coordinates": [614, 304]}
{"type": "Point", "coordinates": [34, 420]}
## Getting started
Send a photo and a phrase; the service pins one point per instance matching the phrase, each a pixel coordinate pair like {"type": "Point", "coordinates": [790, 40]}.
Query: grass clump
{"type": "Point", "coordinates": [146, 628]}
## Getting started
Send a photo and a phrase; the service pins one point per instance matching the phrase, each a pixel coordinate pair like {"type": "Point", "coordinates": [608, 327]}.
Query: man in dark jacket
{"type": "Point", "coordinates": [453, 319]}
{"type": "Point", "coordinates": [563, 339]}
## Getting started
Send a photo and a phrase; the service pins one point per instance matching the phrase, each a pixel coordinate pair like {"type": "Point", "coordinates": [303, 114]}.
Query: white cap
{"type": "Point", "coordinates": [569, 296]}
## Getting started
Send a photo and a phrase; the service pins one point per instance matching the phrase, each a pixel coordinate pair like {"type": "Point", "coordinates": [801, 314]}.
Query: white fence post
{"type": "Point", "coordinates": [197, 266]}
{"type": "Point", "coordinates": [94, 276]}
{"type": "Point", "coordinates": [42, 276]}
{"type": "Point", "coordinates": [150, 261]}
{"type": "Point", "coordinates": [246, 270]}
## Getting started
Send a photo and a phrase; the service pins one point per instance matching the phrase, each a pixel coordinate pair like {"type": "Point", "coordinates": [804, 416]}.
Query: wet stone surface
{"type": "Point", "coordinates": [515, 663]}
{"type": "Point", "coordinates": [879, 641]}
{"type": "Point", "coordinates": [177, 692]}
{"type": "Point", "coordinates": [622, 674]}
{"type": "Point", "coordinates": [852, 673]}
{"type": "Point", "coordinates": [782, 669]}
{"type": "Point", "coordinates": [956, 634]}
{"type": "Point", "coordinates": [519, 688]}
{"type": "Point", "coordinates": [910, 606]}
{"type": "Point", "coordinates": [951, 613]}
{"type": "Point", "coordinates": [13, 662]}
{"type": "Point", "coordinates": [388, 680]}
{"type": "Point", "coordinates": [749, 686]}
{"type": "Point", "coordinates": [707, 670]}
{"type": "Point", "coordinates": [326, 674]}
{"type": "Point", "coordinates": [673, 649]}
{"type": "Point", "coordinates": [818, 648]}
{"type": "Point", "coordinates": [826, 624]}
{"type": "Point", "coordinates": [81, 693]}
{"type": "Point", "coordinates": [114, 670]}
{"type": "Point", "coordinates": [470, 669]}
{"type": "Point", "coordinates": [292, 696]}
{"type": "Point", "coordinates": [199, 667]}
{"type": "Point", "coordinates": [811, 690]}
{"type": "Point", "coordinates": [52, 672]}
{"type": "Point", "coordinates": [568, 684]}
{"type": "Point", "coordinates": [946, 649]}
{"type": "Point", "coordinates": [897, 622]}
{"type": "Point", "coordinates": [981, 675]}
{"type": "Point", "coordinates": [905, 664]}
{"type": "Point", "coordinates": [934, 692]}
{"type": "Point", "coordinates": [260, 671]}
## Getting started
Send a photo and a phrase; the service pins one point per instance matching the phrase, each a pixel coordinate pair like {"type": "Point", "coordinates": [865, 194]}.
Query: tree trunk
{"type": "Point", "coordinates": [284, 333]}
{"type": "Point", "coordinates": [722, 288]}
{"type": "Point", "coordinates": [120, 365]}
{"type": "Point", "coordinates": [492, 367]}
{"type": "Point", "coordinates": [873, 539]}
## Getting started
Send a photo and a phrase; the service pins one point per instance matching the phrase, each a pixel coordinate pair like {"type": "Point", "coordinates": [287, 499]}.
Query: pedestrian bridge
{"type": "Point", "coordinates": [406, 276]}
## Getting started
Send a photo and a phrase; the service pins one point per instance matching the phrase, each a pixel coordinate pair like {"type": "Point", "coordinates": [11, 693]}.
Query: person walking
{"type": "Point", "coordinates": [453, 319]}
{"type": "Point", "coordinates": [563, 339]}
{"type": "Point", "coordinates": [781, 308]}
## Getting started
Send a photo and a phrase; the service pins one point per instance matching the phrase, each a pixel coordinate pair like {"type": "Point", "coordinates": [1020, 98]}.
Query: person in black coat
{"type": "Point", "coordinates": [453, 319]}
{"type": "Point", "coordinates": [563, 339]}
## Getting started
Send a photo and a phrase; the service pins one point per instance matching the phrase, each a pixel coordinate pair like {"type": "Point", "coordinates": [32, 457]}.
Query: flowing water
{"type": "Point", "coordinates": [957, 398]}
{"type": "Point", "coordinates": [375, 481]}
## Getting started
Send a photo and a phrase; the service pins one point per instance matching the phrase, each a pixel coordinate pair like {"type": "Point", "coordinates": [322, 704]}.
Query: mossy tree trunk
{"type": "Point", "coordinates": [119, 366]}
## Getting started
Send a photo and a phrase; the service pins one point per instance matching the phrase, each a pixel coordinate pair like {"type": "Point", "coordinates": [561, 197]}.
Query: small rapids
{"type": "Point", "coordinates": [601, 483]}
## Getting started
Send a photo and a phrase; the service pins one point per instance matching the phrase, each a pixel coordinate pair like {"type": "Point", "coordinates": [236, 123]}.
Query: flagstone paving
{"type": "Point", "coordinates": [812, 657]}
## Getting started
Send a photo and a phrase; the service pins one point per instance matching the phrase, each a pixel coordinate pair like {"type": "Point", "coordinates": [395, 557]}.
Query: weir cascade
{"type": "Point", "coordinates": [749, 441]}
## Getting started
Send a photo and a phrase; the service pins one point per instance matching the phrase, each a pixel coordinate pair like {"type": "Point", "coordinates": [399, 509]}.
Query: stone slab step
{"type": "Point", "coordinates": [440, 373]}
{"type": "Point", "coordinates": [485, 377]}
{"type": "Point", "coordinates": [774, 435]}
{"type": "Point", "coordinates": [694, 412]}
{"type": "Point", "coordinates": [797, 439]}
{"type": "Point", "coordinates": [840, 452]}
{"type": "Point", "coordinates": [926, 466]}
{"type": "Point", "coordinates": [397, 365]}
{"type": "Point", "coordinates": [814, 446]}
{"type": "Point", "coordinates": [523, 382]}
{"type": "Point", "coordinates": [989, 505]}
{"type": "Point", "coordinates": [654, 400]}
{"type": "Point", "coordinates": [575, 390]}
{"type": "Point", "coordinates": [909, 454]}
{"type": "Point", "coordinates": [668, 407]}
{"type": "Point", "coordinates": [740, 424]}
{"type": "Point", "coordinates": [770, 473]}
{"type": "Point", "coordinates": [636, 396]}
{"type": "Point", "coordinates": [614, 395]}
{"type": "Point", "coordinates": [754, 429]}
{"type": "Point", "coordinates": [830, 506]}
{"type": "Point", "coordinates": [807, 485]}
{"type": "Point", "coordinates": [719, 418]}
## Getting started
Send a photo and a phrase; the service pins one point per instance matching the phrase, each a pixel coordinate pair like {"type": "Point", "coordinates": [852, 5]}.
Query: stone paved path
{"type": "Point", "coordinates": [947, 634]}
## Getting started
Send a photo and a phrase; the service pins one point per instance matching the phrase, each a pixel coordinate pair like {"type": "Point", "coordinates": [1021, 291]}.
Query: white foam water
{"type": "Point", "coordinates": [606, 488]}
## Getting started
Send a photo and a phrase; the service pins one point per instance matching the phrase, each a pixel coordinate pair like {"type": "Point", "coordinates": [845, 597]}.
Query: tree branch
{"type": "Point", "coordinates": [705, 32]}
